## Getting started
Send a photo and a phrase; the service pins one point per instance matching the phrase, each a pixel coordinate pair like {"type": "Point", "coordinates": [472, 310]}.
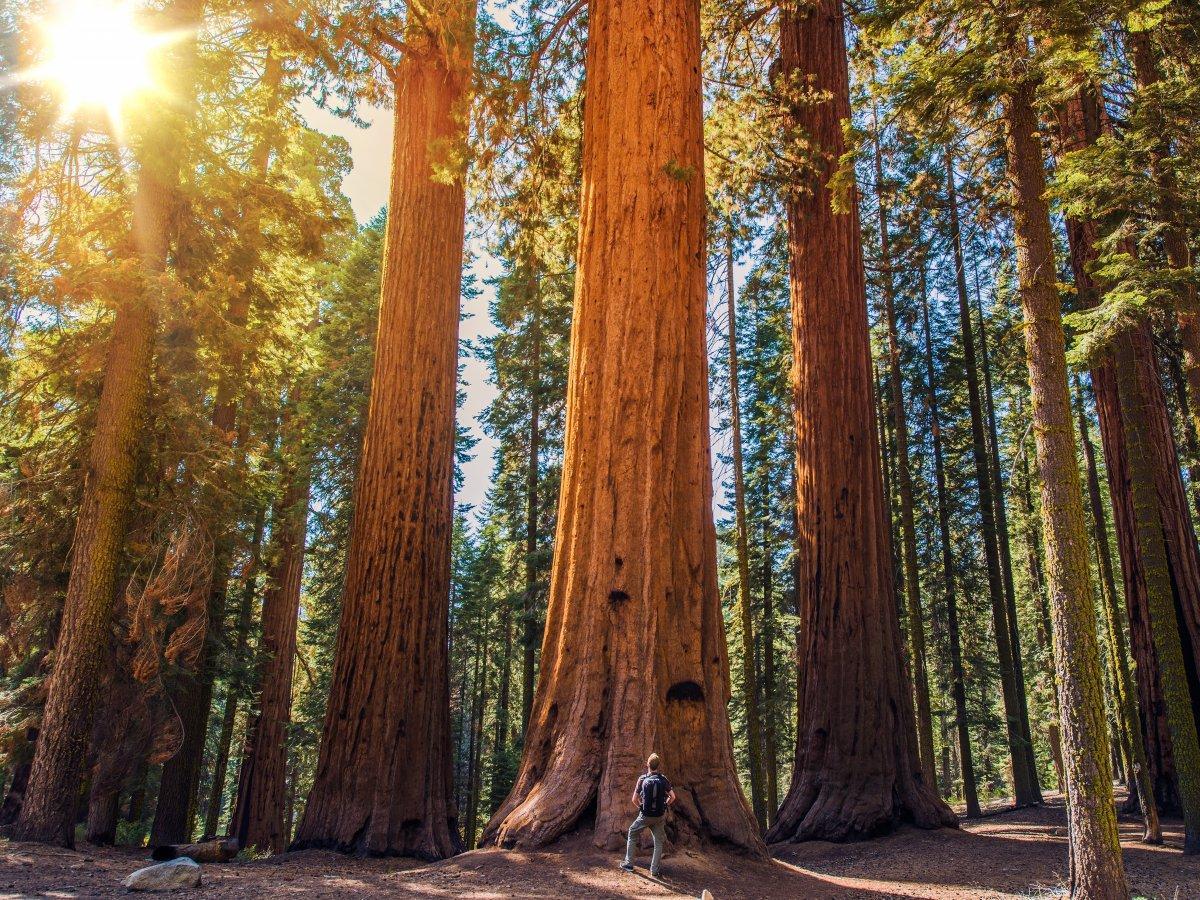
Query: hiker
{"type": "Point", "coordinates": [652, 796]}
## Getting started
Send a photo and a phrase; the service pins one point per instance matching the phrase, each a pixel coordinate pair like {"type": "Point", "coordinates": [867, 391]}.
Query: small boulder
{"type": "Point", "coordinates": [169, 876]}
{"type": "Point", "coordinates": [706, 895]}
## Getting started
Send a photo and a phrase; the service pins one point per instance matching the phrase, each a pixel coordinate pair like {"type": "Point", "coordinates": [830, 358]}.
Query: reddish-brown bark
{"type": "Point", "coordinates": [383, 783]}
{"type": "Point", "coordinates": [258, 816]}
{"type": "Point", "coordinates": [1080, 124]}
{"type": "Point", "coordinates": [857, 770]}
{"type": "Point", "coordinates": [634, 658]}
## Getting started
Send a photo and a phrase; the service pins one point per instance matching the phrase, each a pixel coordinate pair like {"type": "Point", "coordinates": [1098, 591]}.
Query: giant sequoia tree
{"type": "Point", "coordinates": [634, 655]}
{"type": "Point", "coordinates": [383, 783]}
{"type": "Point", "coordinates": [857, 765]}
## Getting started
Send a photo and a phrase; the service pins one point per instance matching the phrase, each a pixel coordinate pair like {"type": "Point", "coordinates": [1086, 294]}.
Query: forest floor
{"type": "Point", "coordinates": [1008, 854]}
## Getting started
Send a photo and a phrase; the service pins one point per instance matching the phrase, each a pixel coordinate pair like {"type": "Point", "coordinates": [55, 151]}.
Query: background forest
{"type": "Point", "coordinates": [231, 569]}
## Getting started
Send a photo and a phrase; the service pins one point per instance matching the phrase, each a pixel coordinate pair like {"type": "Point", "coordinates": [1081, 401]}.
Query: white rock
{"type": "Point", "coordinates": [168, 876]}
{"type": "Point", "coordinates": [706, 894]}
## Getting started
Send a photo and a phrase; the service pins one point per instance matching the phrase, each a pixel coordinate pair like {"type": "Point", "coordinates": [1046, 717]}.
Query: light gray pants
{"type": "Point", "coordinates": [658, 831]}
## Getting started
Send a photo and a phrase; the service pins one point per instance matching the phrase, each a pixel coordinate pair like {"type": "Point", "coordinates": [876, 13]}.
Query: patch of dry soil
{"type": "Point", "coordinates": [1019, 853]}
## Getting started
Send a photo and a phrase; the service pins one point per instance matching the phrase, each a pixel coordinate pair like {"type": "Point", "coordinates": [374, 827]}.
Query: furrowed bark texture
{"type": "Point", "coordinates": [383, 784]}
{"type": "Point", "coordinates": [258, 819]}
{"type": "Point", "coordinates": [51, 800]}
{"type": "Point", "coordinates": [1097, 871]}
{"type": "Point", "coordinates": [858, 770]}
{"type": "Point", "coordinates": [633, 659]}
{"type": "Point", "coordinates": [1080, 124]}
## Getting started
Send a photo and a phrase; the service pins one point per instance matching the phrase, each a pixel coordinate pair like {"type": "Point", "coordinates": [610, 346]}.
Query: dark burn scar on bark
{"type": "Point", "coordinates": [619, 562]}
{"type": "Point", "coordinates": [617, 597]}
{"type": "Point", "coordinates": [686, 690]}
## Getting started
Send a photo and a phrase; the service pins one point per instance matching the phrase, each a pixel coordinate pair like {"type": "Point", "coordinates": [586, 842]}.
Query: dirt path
{"type": "Point", "coordinates": [1012, 854]}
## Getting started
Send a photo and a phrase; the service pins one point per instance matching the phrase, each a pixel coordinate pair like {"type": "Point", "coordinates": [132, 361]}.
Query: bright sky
{"type": "Point", "coordinates": [367, 188]}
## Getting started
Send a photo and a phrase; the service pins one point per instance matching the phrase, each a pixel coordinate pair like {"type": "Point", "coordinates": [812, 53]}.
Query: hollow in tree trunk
{"type": "Point", "coordinates": [858, 771]}
{"type": "Point", "coordinates": [633, 659]}
{"type": "Point", "coordinates": [383, 783]}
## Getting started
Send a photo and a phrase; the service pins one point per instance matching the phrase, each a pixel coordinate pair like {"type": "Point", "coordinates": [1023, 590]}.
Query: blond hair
{"type": "Point", "coordinates": [652, 762]}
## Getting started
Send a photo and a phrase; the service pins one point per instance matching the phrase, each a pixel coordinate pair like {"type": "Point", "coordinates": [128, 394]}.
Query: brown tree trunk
{"type": "Point", "coordinates": [857, 771]}
{"type": "Point", "coordinates": [1002, 542]}
{"type": "Point", "coordinates": [383, 783]}
{"type": "Point", "coordinates": [48, 811]}
{"type": "Point", "coordinates": [745, 616]}
{"type": "Point", "coordinates": [957, 682]}
{"type": "Point", "coordinates": [102, 816]}
{"type": "Point", "coordinates": [1097, 870]}
{"type": "Point", "coordinates": [1081, 123]}
{"type": "Point", "coordinates": [212, 815]}
{"type": "Point", "coordinates": [258, 813]}
{"type": "Point", "coordinates": [1123, 690]}
{"type": "Point", "coordinates": [908, 527]}
{"type": "Point", "coordinates": [1160, 603]}
{"type": "Point", "coordinates": [529, 637]}
{"type": "Point", "coordinates": [1020, 749]}
{"type": "Point", "coordinates": [634, 658]}
{"type": "Point", "coordinates": [771, 762]}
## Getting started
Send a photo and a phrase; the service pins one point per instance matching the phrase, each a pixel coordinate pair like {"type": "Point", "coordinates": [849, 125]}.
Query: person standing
{"type": "Point", "coordinates": [652, 795]}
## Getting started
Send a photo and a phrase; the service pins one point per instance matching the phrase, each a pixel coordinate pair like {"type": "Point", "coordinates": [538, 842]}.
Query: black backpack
{"type": "Point", "coordinates": [654, 795]}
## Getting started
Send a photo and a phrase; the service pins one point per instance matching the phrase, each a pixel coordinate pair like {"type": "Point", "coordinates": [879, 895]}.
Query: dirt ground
{"type": "Point", "coordinates": [1009, 854]}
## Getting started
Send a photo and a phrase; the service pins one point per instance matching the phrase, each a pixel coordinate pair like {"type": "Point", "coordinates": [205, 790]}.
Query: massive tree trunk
{"type": "Point", "coordinates": [258, 814]}
{"type": "Point", "coordinates": [957, 682]}
{"type": "Point", "coordinates": [52, 798]}
{"type": "Point", "coordinates": [908, 527]}
{"type": "Point", "coordinates": [1097, 870]}
{"type": "Point", "coordinates": [857, 771]}
{"type": "Point", "coordinates": [383, 783]}
{"type": "Point", "coordinates": [634, 658]}
{"type": "Point", "coordinates": [745, 617]}
{"type": "Point", "coordinates": [1081, 123]}
{"type": "Point", "coordinates": [1020, 748]}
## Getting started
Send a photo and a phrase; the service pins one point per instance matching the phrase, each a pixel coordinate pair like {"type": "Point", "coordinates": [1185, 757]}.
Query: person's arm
{"type": "Point", "coordinates": [670, 796]}
{"type": "Point", "coordinates": [637, 789]}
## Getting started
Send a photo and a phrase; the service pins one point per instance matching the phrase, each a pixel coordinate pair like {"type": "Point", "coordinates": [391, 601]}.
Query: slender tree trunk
{"type": "Point", "coordinates": [475, 747]}
{"type": "Point", "coordinates": [233, 696]}
{"type": "Point", "coordinates": [193, 700]}
{"type": "Point", "coordinates": [957, 681]}
{"type": "Point", "coordinates": [858, 770]}
{"type": "Point", "coordinates": [1025, 786]}
{"type": "Point", "coordinates": [258, 817]}
{"type": "Point", "coordinates": [48, 811]}
{"type": "Point", "coordinates": [745, 616]}
{"type": "Point", "coordinates": [1097, 870]}
{"type": "Point", "coordinates": [770, 704]}
{"type": "Point", "coordinates": [102, 816]}
{"type": "Point", "coordinates": [529, 639]}
{"type": "Point", "coordinates": [1002, 541]}
{"type": "Point", "coordinates": [908, 528]}
{"type": "Point", "coordinates": [634, 655]}
{"type": "Point", "coordinates": [1123, 689]}
{"type": "Point", "coordinates": [383, 784]}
